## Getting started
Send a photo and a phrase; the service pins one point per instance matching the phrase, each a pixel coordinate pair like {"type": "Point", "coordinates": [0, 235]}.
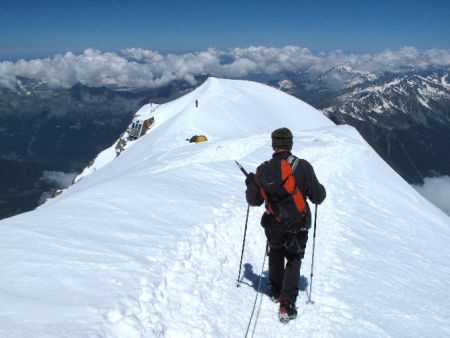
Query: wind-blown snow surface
{"type": "Point", "coordinates": [149, 244]}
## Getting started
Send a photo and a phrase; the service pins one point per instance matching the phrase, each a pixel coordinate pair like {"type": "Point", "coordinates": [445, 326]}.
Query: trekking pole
{"type": "Point", "coordinates": [238, 283]}
{"type": "Point", "coordinates": [246, 173]}
{"type": "Point", "coordinates": [309, 301]}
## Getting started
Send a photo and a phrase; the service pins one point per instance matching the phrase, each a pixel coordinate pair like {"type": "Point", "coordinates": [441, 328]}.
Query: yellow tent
{"type": "Point", "coordinates": [201, 138]}
{"type": "Point", "coordinates": [197, 139]}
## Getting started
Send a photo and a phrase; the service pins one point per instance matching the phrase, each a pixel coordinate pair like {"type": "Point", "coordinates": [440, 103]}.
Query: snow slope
{"type": "Point", "coordinates": [148, 245]}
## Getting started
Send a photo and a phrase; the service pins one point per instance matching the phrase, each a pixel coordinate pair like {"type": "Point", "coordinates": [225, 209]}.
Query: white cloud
{"type": "Point", "coordinates": [437, 191]}
{"type": "Point", "coordinates": [61, 179]}
{"type": "Point", "coordinates": [136, 67]}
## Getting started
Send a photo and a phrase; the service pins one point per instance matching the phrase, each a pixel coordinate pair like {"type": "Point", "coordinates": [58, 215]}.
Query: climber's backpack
{"type": "Point", "coordinates": [283, 198]}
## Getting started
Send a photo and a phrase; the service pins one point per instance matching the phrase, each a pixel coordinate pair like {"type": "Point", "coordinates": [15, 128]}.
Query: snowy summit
{"type": "Point", "coordinates": [147, 243]}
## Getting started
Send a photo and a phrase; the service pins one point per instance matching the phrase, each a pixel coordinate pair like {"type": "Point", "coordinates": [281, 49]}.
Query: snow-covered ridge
{"type": "Point", "coordinates": [149, 244]}
{"type": "Point", "coordinates": [346, 76]}
{"type": "Point", "coordinates": [207, 118]}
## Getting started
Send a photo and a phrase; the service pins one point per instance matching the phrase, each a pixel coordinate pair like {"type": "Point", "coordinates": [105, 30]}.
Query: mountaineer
{"type": "Point", "coordinates": [284, 183]}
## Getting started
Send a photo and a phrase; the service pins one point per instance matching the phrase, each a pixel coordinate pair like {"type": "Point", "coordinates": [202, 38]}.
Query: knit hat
{"type": "Point", "coordinates": [282, 139]}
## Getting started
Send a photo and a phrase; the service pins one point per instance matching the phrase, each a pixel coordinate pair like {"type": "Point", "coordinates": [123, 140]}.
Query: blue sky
{"type": "Point", "coordinates": [45, 27]}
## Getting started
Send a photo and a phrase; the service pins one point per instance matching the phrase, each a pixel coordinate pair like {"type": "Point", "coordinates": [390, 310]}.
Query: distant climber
{"type": "Point", "coordinates": [284, 183]}
{"type": "Point", "coordinates": [196, 103]}
{"type": "Point", "coordinates": [197, 139]}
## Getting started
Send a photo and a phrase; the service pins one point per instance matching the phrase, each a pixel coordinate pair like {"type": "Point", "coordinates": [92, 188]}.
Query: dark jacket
{"type": "Point", "coordinates": [306, 181]}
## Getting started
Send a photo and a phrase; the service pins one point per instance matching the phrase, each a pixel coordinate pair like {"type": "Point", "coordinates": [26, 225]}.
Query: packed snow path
{"type": "Point", "coordinates": [149, 245]}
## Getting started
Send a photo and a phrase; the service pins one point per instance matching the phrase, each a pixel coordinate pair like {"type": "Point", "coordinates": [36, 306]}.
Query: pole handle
{"type": "Point", "coordinates": [246, 173]}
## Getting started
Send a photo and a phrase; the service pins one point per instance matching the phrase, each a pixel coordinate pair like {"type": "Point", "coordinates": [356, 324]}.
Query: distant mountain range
{"type": "Point", "coordinates": [405, 116]}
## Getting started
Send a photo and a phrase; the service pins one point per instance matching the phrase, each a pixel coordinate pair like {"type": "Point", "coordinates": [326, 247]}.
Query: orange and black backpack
{"type": "Point", "coordinates": [283, 198]}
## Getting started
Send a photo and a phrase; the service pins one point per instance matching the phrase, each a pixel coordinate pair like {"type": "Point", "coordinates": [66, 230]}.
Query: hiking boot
{"type": "Point", "coordinates": [274, 295]}
{"type": "Point", "coordinates": [287, 312]}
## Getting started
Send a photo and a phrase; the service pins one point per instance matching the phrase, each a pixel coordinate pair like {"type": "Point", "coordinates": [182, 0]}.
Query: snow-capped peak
{"type": "Point", "coordinates": [248, 108]}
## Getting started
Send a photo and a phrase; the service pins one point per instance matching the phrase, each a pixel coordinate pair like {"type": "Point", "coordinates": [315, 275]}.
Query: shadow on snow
{"type": "Point", "coordinates": [251, 279]}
